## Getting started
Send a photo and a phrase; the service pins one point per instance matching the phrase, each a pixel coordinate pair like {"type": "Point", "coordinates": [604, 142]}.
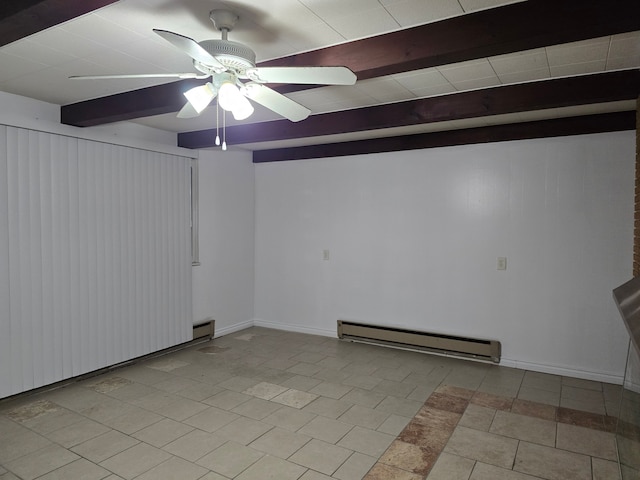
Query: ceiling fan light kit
{"type": "Point", "coordinates": [228, 63]}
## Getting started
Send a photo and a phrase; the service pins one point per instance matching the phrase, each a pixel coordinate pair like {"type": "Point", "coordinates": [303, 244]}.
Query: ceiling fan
{"type": "Point", "coordinates": [234, 77]}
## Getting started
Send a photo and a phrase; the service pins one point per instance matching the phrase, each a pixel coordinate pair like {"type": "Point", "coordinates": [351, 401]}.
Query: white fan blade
{"type": "Point", "coordinates": [190, 47]}
{"type": "Point", "coordinates": [139, 75]}
{"type": "Point", "coordinates": [188, 111]}
{"type": "Point", "coordinates": [275, 101]}
{"type": "Point", "coordinates": [306, 75]}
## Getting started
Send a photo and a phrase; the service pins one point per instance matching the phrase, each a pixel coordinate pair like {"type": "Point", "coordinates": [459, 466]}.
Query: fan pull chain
{"type": "Point", "coordinates": [224, 129]}
{"type": "Point", "coordinates": [217, 123]}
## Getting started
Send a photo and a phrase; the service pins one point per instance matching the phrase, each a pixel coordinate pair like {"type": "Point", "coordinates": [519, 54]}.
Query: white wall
{"type": "Point", "coordinates": [414, 237]}
{"type": "Point", "coordinates": [223, 283]}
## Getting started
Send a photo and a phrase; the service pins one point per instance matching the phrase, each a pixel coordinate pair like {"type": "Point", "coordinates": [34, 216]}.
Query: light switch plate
{"type": "Point", "coordinates": [502, 263]}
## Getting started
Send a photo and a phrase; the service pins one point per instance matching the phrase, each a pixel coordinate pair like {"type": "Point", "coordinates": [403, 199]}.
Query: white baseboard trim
{"type": "Point", "coordinates": [258, 322]}
{"type": "Point", "coordinates": [221, 332]}
{"type": "Point", "coordinates": [565, 371]}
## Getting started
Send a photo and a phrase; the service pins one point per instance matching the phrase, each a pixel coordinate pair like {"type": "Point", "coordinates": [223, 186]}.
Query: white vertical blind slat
{"type": "Point", "coordinates": [95, 263]}
{"type": "Point", "coordinates": [6, 357]}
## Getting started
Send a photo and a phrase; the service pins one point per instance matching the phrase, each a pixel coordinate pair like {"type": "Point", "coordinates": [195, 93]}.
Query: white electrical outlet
{"type": "Point", "coordinates": [502, 263]}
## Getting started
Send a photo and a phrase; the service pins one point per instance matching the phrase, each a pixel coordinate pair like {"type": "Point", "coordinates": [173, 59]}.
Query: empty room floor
{"type": "Point", "coordinates": [266, 404]}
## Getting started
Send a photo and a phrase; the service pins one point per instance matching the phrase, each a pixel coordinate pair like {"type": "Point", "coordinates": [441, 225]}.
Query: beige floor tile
{"type": "Point", "coordinates": [265, 390]}
{"type": "Point", "coordinates": [587, 441]}
{"type": "Point", "coordinates": [539, 395]}
{"type": "Point", "coordinates": [366, 382]}
{"type": "Point", "coordinates": [162, 432]}
{"type": "Point", "coordinates": [238, 383]}
{"type": "Point", "coordinates": [211, 419]}
{"type": "Point", "coordinates": [482, 471]}
{"type": "Point", "coordinates": [80, 469]}
{"type": "Point", "coordinates": [208, 476]}
{"type": "Point", "coordinates": [394, 424]}
{"type": "Point", "coordinates": [604, 469]}
{"type": "Point", "coordinates": [421, 392]}
{"type": "Point", "coordinates": [177, 469]}
{"type": "Point", "coordinates": [477, 417]}
{"type": "Point", "coordinates": [534, 430]}
{"type": "Point", "coordinates": [19, 442]}
{"type": "Point", "coordinates": [390, 373]}
{"type": "Point", "coordinates": [399, 406]}
{"type": "Point", "coordinates": [133, 421]}
{"type": "Point", "coordinates": [331, 390]}
{"type": "Point", "coordinates": [41, 462]}
{"type": "Point", "coordinates": [227, 399]}
{"type": "Point", "coordinates": [294, 398]}
{"type": "Point", "coordinates": [380, 471]}
{"type": "Point", "coordinates": [365, 398]}
{"type": "Point", "coordinates": [230, 459]}
{"type": "Point", "coordinates": [280, 443]}
{"type": "Point", "coordinates": [542, 381]}
{"type": "Point", "coordinates": [593, 406]}
{"type": "Point", "coordinates": [256, 408]}
{"type": "Point", "coordinates": [181, 409]}
{"type": "Point", "coordinates": [311, 475]}
{"type": "Point", "coordinates": [135, 460]}
{"type": "Point", "coordinates": [551, 463]}
{"type": "Point", "coordinates": [325, 429]}
{"type": "Point", "coordinates": [272, 468]}
{"type": "Point", "coordinates": [321, 456]}
{"type": "Point", "coordinates": [366, 441]}
{"type": "Point", "coordinates": [244, 430]}
{"type": "Point", "coordinates": [302, 368]}
{"type": "Point", "coordinates": [104, 446]}
{"type": "Point", "coordinates": [195, 444]}
{"type": "Point", "coordinates": [77, 433]}
{"type": "Point", "coordinates": [580, 383]}
{"type": "Point", "coordinates": [108, 409]}
{"type": "Point", "coordinates": [327, 407]}
{"type": "Point", "coordinates": [363, 417]}
{"type": "Point", "coordinates": [360, 368]}
{"type": "Point", "coordinates": [355, 467]}
{"type": "Point", "coordinates": [53, 420]}
{"type": "Point", "coordinates": [409, 457]}
{"type": "Point", "coordinates": [533, 409]}
{"type": "Point", "coordinates": [289, 418]}
{"type": "Point", "coordinates": [301, 382]}
{"type": "Point", "coordinates": [199, 391]}
{"type": "Point", "coordinates": [451, 467]}
{"type": "Point", "coordinates": [482, 446]}
{"type": "Point", "coordinates": [583, 394]}
{"type": "Point", "coordinates": [133, 391]}
{"type": "Point", "coordinates": [395, 388]}
{"type": "Point", "coordinates": [331, 375]}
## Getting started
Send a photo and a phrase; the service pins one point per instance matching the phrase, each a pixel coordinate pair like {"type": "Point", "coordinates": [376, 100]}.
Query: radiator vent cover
{"type": "Point", "coordinates": [480, 349]}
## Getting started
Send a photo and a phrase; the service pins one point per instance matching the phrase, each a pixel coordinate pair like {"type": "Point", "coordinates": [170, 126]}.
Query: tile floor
{"type": "Point", "coordinates": [266, 404]}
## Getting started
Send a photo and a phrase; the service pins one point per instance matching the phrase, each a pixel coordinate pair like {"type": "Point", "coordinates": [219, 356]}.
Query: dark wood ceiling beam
{"type": "Point", "coordinates": [558, 127]}
{"type": "Point", "coordinates": [507, 29]}
{"type": "Point", "coordinates": [21, 18]}
{"type": "Point", "coordinates": [145, 102]}
{"type": "Point", "coordinates": [561, 92]}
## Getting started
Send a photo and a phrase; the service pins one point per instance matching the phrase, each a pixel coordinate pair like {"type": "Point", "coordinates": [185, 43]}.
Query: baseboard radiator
{"type": "Point", "coordinates": [206, 328]}
{"type": "Point", "coordinates": [479, 349]}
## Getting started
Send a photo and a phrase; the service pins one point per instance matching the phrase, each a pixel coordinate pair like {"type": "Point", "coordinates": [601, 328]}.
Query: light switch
{"type": "Point", "coordinates": [502, 263]}
{"type": "Point", "coordinates": [325, 254]}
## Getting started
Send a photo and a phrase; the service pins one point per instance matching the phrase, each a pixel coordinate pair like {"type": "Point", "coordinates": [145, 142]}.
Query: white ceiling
{"type": "Point", "coordinates": [118, 39]}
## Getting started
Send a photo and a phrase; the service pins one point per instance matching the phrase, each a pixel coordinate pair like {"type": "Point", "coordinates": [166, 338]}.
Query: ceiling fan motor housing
{"type": "Point", "coordinates": [233, 55]}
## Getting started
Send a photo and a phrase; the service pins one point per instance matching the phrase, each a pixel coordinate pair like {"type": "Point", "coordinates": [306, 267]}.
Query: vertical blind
{"type": "Point", "coordinates": [95, 256]}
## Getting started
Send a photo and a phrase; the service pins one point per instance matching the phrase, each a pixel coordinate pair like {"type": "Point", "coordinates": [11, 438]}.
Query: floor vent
{"type": "Point", "coordinates": [204, 329]}
{"type": "Point", "coordinates": [489, 350]}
